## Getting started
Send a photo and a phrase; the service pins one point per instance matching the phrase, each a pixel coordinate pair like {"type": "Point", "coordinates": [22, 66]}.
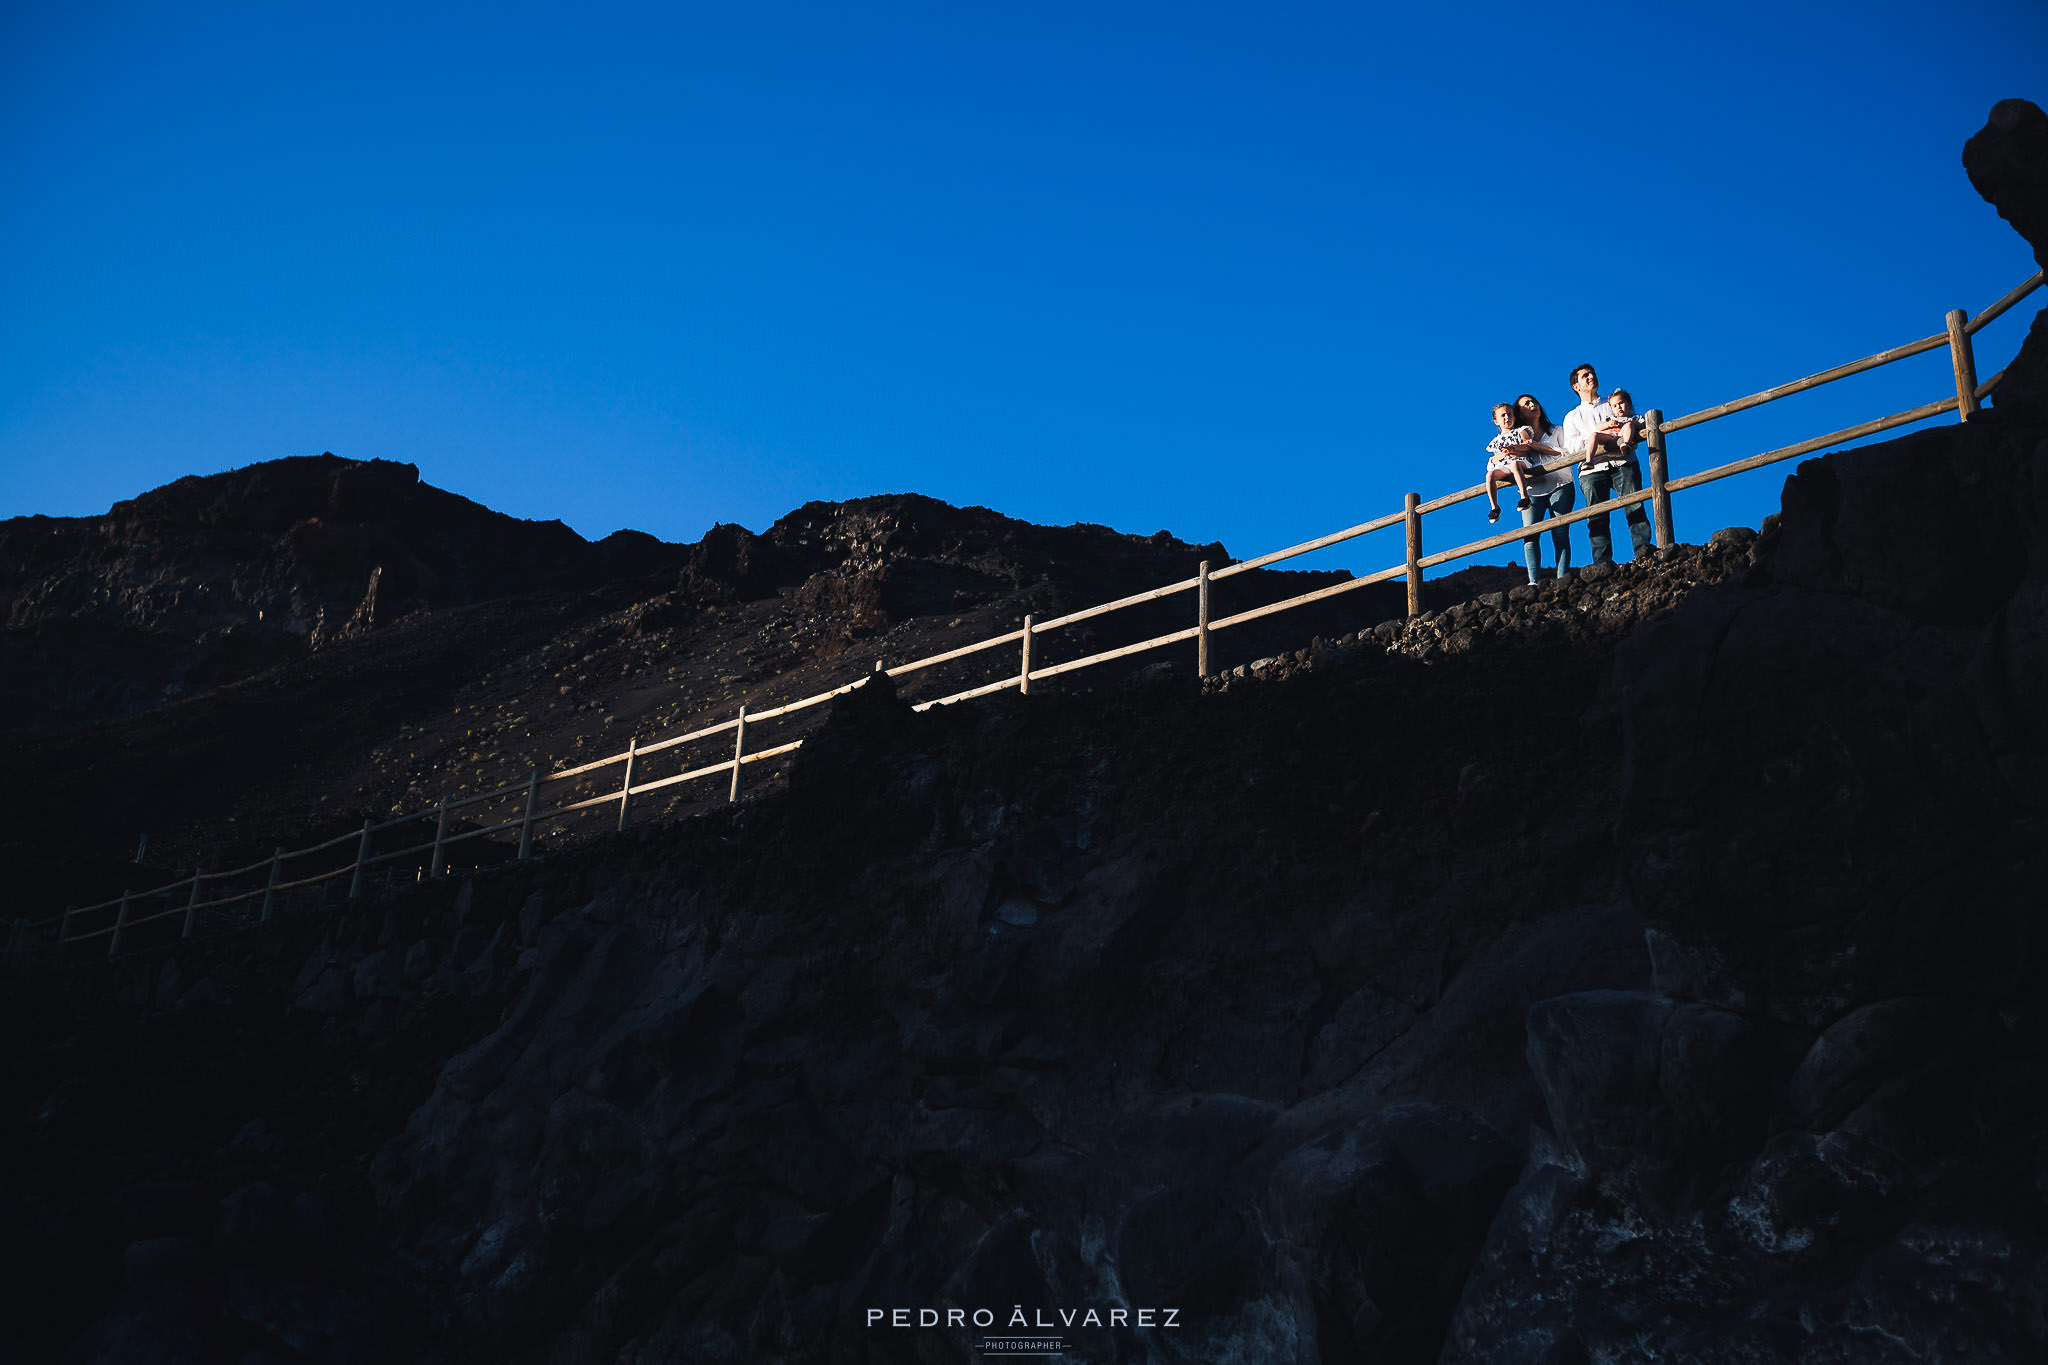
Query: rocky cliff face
{"type": "Point", "coordinates": [1313, 1016]}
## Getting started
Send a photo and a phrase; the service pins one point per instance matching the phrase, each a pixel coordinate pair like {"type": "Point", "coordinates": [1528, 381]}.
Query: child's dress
{"type": "Point", "coordinates": [1498, 457]}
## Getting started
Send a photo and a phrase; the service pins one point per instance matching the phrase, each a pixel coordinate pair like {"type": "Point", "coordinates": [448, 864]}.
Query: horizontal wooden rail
{"type": "Point", "coordinates": [484, 830]}
{"type": "Point", "coordinates": [777, 752]}
{"type": "Point", "coordinates": [393, 822]}
{"type": "Point", "coordinates": [658, 784]}
{"type": "Point", "coordinates": [2019, 292]}
{"type": "Point", "coordinates": [244, 870]}
{"type": "Point", "coordinates": [1008, 684]}
{"type": "Point", "coordinates": [1157, 641]}
{"type": "Point", "coordinates": [1310, 546]}
{"type": "Point", "coordinates": [135, 895]}
{"type": "Point", "coordinates": [1812, 381]}
{"type": "Point", "coordinates": [335, 842]}
{"type": "Point", "coordinates": [655, 747]}
{"type": "Point", "coordinates": [1855, 433]}
{"type": "Point", "coordinates": [235, 899]}
{"type": "Point", "coordinates": [495, 794]}
{"type": "Point", "coordinates": [594, 765]}
{"type": "Point", "coordinates": [607, 799]}
{"type": "Point", "coordinates": [775, 711]}
{"type": "Point", "coordinates": [977, 647]}
{"type": "Point", "coordinates": [177, 910]}
{"type": "Point", "coordinates": [1320, 594]}
{"type": "Point", "coordinates": [1135, 599]}
{"type": "Point", "coordinates": [344, 870]}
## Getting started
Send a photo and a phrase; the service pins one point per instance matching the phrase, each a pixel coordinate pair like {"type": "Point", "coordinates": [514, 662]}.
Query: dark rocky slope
{"type": "Point", "coordinates": [528, 648]}
{"type": "Point", "coordinates": [968, 973]}
{"type": "Point", "coordinates": [1696, 1022]}
{"type": "Point", "coordinates": [211, 579]}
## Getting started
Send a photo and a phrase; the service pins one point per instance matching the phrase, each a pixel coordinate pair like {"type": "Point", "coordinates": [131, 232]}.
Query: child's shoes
{"type": "Point", "coordinates": [1493, 514]}
{"type": "Point", "coordinates": [1523, 504]}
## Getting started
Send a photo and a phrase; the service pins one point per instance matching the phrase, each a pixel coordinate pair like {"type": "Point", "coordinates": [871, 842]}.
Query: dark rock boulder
{"type": "Point", "coordinates": [2008, 163]}
{"type": "Point", "coordinates": [1378, 1222]}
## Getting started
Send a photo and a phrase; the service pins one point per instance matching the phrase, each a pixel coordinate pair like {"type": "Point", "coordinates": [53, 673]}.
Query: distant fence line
{"type": "Point", "coordinates": [64, 931]}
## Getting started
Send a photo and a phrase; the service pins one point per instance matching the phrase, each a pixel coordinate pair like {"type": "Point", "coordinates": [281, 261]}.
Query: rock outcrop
{"type": "Point", "coordinates": [2008, 163]}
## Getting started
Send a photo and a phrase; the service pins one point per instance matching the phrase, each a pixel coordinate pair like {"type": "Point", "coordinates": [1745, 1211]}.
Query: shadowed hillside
{"type": "Point", "coordinates": [302, 701]}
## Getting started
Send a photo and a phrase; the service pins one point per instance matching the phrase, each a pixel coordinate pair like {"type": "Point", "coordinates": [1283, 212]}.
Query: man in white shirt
{"type": "Point", "coordinates": [1605, 471]}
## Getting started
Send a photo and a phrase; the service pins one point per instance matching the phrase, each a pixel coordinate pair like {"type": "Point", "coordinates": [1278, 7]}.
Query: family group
{"type": "Point", "coordinates": [1600, 436]}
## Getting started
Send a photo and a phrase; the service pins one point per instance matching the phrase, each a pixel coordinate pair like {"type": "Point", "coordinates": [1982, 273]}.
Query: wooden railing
{"type": "Point", "coordinates": [80, 925]}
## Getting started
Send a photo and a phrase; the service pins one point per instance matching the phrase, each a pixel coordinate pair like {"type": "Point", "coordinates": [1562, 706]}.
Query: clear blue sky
{"type": "Point", "coordinates": [1244, 272]}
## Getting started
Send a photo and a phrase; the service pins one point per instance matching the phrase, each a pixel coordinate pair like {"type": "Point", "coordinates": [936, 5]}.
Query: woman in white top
{"type": "Point", "coordinates": [1551, 494]}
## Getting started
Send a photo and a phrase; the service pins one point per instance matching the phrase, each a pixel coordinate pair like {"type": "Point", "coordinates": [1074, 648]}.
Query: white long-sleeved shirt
{"type": "Point", "coordinates": [1579, 425]}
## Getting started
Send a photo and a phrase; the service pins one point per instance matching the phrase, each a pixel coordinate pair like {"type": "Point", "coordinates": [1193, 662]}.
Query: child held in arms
{"type": "Point", "coordinates": [1622, 427]}
{"type": "Point", "coordinates": [1507, 459]}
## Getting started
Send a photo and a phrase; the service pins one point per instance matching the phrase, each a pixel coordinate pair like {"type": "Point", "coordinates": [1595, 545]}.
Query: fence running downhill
{"type": "Point", "coordinates": [263, 887]}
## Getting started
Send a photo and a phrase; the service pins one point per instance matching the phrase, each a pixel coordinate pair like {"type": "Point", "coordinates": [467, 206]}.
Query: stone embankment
{"type": "Point", "coordinates": [1599, 603]}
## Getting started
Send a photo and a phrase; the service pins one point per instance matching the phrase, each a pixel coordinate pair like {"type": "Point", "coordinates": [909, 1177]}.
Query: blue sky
{"type": "Point", "coordinates": [1242, 272]}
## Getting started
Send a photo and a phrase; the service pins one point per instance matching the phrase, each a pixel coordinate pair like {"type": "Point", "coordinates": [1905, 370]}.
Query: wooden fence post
{"type": "Point", "coordinates": [1202, 620]}
{"type": "Point", "coordinates": [526, 820]}
{"type": "Point", "coordinates": [626, 788]}
{"type": "Point", "coordinates": [192, 901]}
{"type": "Point", "coordinates": [1965, 363]}
{"type": "Point", "coordinates": [120, 926]}
{"type": "Point", "coordinates": [739, 752]}
{"type": "Point", "coordinates": [355, 886]}
{"type": "Point", "coordinates": [1024, 675]}
{"type": "Point", "coordinates": [439, 862]}
{"type": "Point", "coordinates": [1414, 505]}
{"type": "Point", "coordinates": [270, 887]}
{"type": "Point", "coordinates": [1660, 498]}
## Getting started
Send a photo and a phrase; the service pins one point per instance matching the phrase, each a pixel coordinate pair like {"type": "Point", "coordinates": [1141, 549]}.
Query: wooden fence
{"type": "Point", "coordinates": [259, 886]}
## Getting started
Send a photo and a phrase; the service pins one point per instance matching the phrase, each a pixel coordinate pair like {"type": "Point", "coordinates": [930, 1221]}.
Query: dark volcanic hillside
{"type": "Point", "coordinates": [211, 579]}
{"type": "Point", "coordinates": [302, 696]}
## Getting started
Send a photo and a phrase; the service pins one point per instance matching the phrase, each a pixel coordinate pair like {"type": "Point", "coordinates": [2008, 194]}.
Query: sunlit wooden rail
{"type": "Point", "coordinates": [116, 919]}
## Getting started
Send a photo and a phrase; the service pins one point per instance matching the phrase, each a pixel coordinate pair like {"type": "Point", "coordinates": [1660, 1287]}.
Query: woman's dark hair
{"type": "Point", "coordinates": [1542, 422]}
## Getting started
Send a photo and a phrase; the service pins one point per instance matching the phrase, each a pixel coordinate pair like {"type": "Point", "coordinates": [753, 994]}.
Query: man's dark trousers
{"type": "Point", "coordinates": [1618, 482]}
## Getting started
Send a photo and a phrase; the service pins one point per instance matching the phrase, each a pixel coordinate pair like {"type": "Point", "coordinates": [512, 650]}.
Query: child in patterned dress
{"type": "Point", "coordinates": [1620, 427]}
{"type": "Point", "coordinates": [1503, 463]}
